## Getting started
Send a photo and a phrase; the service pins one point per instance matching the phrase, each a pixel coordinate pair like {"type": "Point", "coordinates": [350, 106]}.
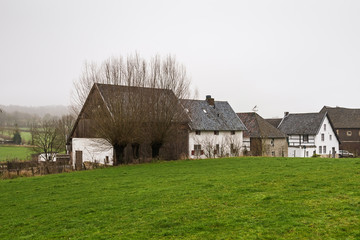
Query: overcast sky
{"type": "Point", "coordinates": [286, 55]}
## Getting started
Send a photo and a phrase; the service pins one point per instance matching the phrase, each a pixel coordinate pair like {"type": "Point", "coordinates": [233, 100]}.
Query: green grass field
{"type": "Point", "coordinates": [10, 152]}
{"type": "Point", "coordinates": [24, 132]}
{"type": "Point", "coordinates": [235, 198]}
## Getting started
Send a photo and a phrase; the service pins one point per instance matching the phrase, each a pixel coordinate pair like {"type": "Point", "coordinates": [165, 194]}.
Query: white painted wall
{"type": "Point", "coordinates": [333, 143]}
{"type": "Point", "coordinates": [42, 157]}
{"type": "Point", "coordinates": [223, 139]}
{"type": "Point", "coordinates": [301, 151]}
{"type": "Point", "coordinates": [94, 149]}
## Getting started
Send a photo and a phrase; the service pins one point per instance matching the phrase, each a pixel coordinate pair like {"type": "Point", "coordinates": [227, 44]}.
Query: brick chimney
{"type": "Point", "coordinates": [210, 100]}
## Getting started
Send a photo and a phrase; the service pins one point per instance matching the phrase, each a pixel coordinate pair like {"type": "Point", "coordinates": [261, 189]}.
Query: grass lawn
{"type": "Point", "coordinates": [8, 152]}
{"type": "Point", "coordinates": [234, 198]}
{"type": "Point", "coordinates": [25, 137]}
{"type": "Point", "coordinates": [24, 133]}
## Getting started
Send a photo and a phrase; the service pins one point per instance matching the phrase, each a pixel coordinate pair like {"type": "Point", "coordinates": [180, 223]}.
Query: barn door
{"type": "Point", "coordinates": [78, 160]}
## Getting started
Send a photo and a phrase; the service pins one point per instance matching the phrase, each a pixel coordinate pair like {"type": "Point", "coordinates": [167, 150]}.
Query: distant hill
{"type": "Point", "coordinates": [41, 111]}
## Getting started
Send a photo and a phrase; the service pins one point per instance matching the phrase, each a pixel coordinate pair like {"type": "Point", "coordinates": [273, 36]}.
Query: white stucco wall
{"type": "Point", "coordinates": [330, 144]}
{"type": "Point", "coordinates": [93, 149]}
{"type": "Point", "coordinates": [224, 139]}
{"type": "Point", "coordinates": [301, 151]}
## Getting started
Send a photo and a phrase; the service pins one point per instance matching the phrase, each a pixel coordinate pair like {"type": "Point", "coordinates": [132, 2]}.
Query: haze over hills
{"type": "Point", "coordinates": [41, 111]}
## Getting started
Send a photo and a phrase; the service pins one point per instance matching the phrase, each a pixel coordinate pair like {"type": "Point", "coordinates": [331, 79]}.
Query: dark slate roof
{"type": "Point", "coordinates": [274, 121]}
{"type": "Point", "coordinates": [302, 123]}
{"type": "Point", "coordinates": [259, 127]}
{"type": "Point", "coordinates": [343, 117]}
{"type": "Point", "coordinates": [208, 118]}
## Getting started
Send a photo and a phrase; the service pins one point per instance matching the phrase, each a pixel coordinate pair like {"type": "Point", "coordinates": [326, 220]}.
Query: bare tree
{"type": "Point", "coordinates": [47, 139]}
{"type": "Point", "coordinates": [64, 126]}
{"type": "Point", "coordinates": [147, 109]}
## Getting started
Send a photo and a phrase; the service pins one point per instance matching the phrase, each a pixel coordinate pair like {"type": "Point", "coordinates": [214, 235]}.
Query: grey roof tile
{"type": "Point", "coordinates": [209, 118]}
{"type": "Point", "coordinates": [259, 127]}
{"type": "Point", "coordinates": [343, 117]}
{"type": "Point", "coordinates": [302, 123]}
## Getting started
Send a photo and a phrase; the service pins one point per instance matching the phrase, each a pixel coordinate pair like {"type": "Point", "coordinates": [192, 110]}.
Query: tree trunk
{"type": "Point", "coordinates": [119, 154]}
{"type": "Point", "coordinates": [155, 148]}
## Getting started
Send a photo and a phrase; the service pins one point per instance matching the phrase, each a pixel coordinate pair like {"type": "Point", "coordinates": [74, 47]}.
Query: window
{"type": "Point", "coordinates": [337, 132]}
{"type": "Point", "coordinates": [322, 137]}
{"type": "Point", "coordinates": [272, 142]}
{"type": "Point", "coordinates": [273, 153]}
{"type": "Point", "coordinates": [359, 133]}
{"type": "Point", "coordinates": [324, 127]}
{"type": "Point", "coordinates": [232, 149]}
{"type": "Point", "coordinates": [324, 149]}
{"type": "Point", "coordinates": [307, 153]}
{"type": "Point", "coordinates": [198, 132]}
{"type": "Point", "coordinates": [197, 150]}
{"type": "Point", "coordinates": [349, 133]}
{"type": "Point", "coordinates": [320, 150]}
{"type": "Point", "coordinates": [233, 133]}
{"type": "Point", "coordinates": [330, 137]}
{"type": "Point", "coordinates": [216, 132]}
{"type": "Point", "coordinates": [306, 138]}
{"type": "Point", "coordinates": [217, 149]}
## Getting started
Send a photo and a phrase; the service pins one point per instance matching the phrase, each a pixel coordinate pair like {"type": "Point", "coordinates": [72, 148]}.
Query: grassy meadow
{"type": "Point", "coordinates": [24, 133]}
{"type": "Point", "coordinates": [10, 152]}
{"type": "Point", "coordinates": [230, 198]}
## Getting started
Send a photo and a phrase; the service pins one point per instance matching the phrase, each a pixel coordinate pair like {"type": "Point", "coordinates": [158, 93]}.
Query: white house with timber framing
{"type": "Point", "coordinates": [309, 134]}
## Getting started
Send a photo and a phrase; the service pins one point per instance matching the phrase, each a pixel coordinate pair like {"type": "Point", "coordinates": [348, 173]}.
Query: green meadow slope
{"type": "Point", "coordinates": [233, 198]}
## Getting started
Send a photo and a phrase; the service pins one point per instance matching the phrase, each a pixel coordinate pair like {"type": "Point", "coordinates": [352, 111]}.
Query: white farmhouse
{"type": "Point", "coordinates": [309, 134]}
{"type": "Point", "coordinates": [214, 129]}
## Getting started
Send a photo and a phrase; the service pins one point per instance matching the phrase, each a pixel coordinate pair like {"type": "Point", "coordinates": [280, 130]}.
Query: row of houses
{"type": "Point", "coordinates": [212, 129]}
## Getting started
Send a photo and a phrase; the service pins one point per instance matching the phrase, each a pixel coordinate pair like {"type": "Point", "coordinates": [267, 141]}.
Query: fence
{"type": "Point", "coordinates": [15, 168]}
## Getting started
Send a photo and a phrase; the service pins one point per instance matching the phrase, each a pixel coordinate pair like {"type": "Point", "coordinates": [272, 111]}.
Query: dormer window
{"type": "Point", "coordinates": [305, 138]}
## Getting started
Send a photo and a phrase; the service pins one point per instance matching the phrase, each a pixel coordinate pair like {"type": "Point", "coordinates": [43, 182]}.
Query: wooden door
{"type": "Point", "coordinates": [78, 160]}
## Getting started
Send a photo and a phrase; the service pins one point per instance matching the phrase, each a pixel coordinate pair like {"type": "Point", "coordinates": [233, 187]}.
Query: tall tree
{"type": "Point", "coordinates": [16, 135]}
{"type": "Point", "coordinates": [64, 126]}
{"type": "Point", "coordinates": [47, 139]}
{"type": "Point", "coordinates": [142, 113]}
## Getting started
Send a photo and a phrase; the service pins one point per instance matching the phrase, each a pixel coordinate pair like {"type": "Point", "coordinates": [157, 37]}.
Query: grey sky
{"type": "Point", "coordinates": [279, 55]}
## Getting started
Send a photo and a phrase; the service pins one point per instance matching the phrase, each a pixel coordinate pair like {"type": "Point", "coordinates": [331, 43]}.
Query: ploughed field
{"type": "Point", "coordinates": [230, 198]}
